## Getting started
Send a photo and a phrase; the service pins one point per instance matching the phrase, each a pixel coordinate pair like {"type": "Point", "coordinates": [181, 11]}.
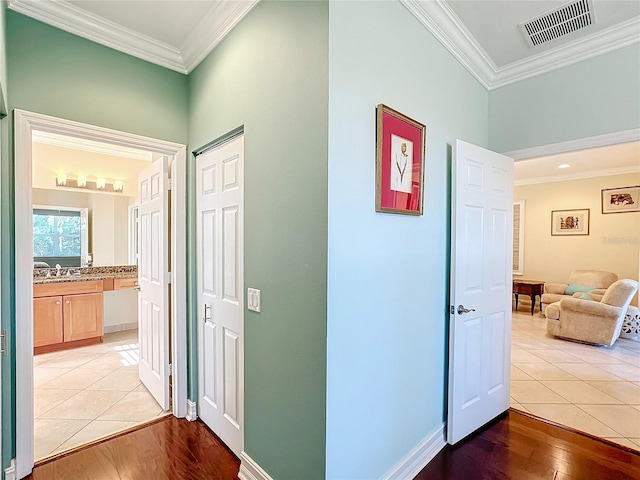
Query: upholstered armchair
{"type": "Point", "coordinates": [580, 281]}
{"type": "Point", "coordinates": [589, 320]}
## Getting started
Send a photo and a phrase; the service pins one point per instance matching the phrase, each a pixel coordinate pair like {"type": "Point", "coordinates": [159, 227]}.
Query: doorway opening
{"type": "Point", "coordinates": [585, 387]}
{"type": "Point", "coordinates": [109, 235]}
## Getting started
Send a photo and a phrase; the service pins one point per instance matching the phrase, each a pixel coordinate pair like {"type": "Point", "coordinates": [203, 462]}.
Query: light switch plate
{"type": "Point", "coordinates": [253, 299]}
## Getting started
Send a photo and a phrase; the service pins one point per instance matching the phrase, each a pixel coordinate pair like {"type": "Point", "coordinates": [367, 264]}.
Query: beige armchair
{"type": "Point", "coordinates": [592, 321]}
{"type": "Point", "coordinates": [594, 279]}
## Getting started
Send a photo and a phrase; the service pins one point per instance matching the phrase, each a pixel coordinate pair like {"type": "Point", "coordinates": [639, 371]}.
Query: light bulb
{"type": "Point", "coordinates": [61, 179]}
{"type": "Point", "coordinates": [101, 183]}
{"type": "Point", "coordinates": [118, 185]}
{"type": "Point", "coordinates": [82, 181]}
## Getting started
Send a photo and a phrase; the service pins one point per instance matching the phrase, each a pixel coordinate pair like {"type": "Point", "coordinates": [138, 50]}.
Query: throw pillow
{"type": "Point", "coordinates": [584, 296]}
{"type": "Point", "coordinates": [574, 287]}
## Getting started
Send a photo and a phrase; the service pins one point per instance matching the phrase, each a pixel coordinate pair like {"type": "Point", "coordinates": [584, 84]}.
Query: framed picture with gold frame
{"type": "Point", "coordinates": [400, 148]}
{"type": "Point", "coordinates": [570, 222]}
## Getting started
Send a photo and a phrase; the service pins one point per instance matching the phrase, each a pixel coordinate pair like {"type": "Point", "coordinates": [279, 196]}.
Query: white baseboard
{"type": "Point", "coordinates": [418, 458]}
{"type": "Point", "coordinates": [120, 328]}
{"type": "Point", "coordinates": [250, 470]}
{"type": "Point", "coordinates": [192, 411]}
{"type": "Point", "coordinates": [10, 471]}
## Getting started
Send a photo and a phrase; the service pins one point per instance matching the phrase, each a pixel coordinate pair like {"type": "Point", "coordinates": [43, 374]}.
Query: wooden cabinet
{"type": "Point", "coordinates": [47, 321]}
{"type": "Point", "coordinates": [67, 315]}
{"type": "Point", "coordinates": [83, 315]}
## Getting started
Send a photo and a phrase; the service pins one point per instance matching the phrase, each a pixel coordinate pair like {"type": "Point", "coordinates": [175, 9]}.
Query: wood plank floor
{"type": "Point", "coordinates": [515, 447]}
{"type": "Point", "coordinates": [522, 448]}
{"type": "Point", "coordinates": [170, 449]}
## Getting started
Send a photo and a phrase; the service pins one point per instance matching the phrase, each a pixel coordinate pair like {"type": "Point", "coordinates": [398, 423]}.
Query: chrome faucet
{"type": "Point", "coordinates": [58, 267]}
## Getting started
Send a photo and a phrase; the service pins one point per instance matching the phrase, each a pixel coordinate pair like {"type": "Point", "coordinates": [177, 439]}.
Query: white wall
{"type": "Point", "coordinates": [388, 274]}
{"type": "Point", "coordinates": [613, 243]}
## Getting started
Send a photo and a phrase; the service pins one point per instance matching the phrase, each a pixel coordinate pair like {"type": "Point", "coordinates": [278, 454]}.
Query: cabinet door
{"type": "Point", "coordinates": [83, 316]}
{"type": "Point", "coordinates": [47, 321]}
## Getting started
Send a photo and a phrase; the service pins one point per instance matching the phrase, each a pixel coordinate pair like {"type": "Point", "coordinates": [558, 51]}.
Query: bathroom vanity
{"type": "Point", "coordinates": [68, 310]}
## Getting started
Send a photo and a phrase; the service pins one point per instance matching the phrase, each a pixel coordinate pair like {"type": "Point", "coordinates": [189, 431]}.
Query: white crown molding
{"type": "Point", "coordinates": [439, 19]}
{"type": "Point", "coordinates": [214, 25]}
{"type": "Point", "coordinates": [615, 138]}
{"type": "Point", "coordinates": [605, 172]}
{"type": "Point", "coordinates": [250, 470]}
{"type": "Point", "coordinates": [78, 21]}
{"type": "Point", "coordinates": [601, 42]}
{"type": "Point", "coordinates": [418, 458]}
{"type": "Point", "coordinates": [449, 30]}
{"type": "Point", "coordinates": [87, 145]}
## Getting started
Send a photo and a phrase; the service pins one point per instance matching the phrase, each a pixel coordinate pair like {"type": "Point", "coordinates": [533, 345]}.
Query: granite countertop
{"type": "Point", "coordinates": [86, 273]}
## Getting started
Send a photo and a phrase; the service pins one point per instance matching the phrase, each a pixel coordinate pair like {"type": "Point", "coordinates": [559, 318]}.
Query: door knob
{"type": "Point", "coordinates": [462, 310]}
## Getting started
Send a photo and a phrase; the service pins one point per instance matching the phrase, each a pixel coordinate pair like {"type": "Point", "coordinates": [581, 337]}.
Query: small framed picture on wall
{"type": "Point", "coordinates": [621, 200]}
{"type": "Point", "coordinates": [570, 222]}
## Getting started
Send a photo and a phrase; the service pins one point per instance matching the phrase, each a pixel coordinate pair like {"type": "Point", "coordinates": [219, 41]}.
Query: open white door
{"type": "Point", "coordinates": [481, 284]}
{"type": "Point", "coordinates": [220, 233]}
{"type": "Point", "coordinates": [153, 294]}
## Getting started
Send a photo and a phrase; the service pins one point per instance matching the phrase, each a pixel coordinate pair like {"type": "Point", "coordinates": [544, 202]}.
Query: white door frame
{"type": "Point", "coordinates": [24, 124]}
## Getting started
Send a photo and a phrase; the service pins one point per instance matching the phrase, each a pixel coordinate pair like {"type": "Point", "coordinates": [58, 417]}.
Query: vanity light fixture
{"type": "Point", "coordinates": [62, 180]}
{"type": "Point", "coordinates": [564, 165]}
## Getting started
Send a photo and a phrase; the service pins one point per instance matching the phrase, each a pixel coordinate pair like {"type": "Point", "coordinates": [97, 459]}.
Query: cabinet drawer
{"type": "Point", "coordinates": [124, 283]}
{"type": "Point", "coordinates": [67, 288]}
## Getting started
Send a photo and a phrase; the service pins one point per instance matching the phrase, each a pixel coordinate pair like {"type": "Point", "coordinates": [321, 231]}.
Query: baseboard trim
{"type": "Point", "coordinates": [418, 458]}
{"type": "Point", "coordinates": [250, 470]}
{"type": "Point", "coordinates": [10, 471]}
{"type": "Point", "coordinates": [192, 411]}
{"type": "Point", "coordinates": [120, 328]}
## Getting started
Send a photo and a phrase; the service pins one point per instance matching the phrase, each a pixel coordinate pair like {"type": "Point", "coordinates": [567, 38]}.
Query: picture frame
{"type": "Point", "coordinates": [400, 153]}
{"type": "Point", "coordinates": [621, 200]}
{"type": "Point", "coordinates": [570, 222]}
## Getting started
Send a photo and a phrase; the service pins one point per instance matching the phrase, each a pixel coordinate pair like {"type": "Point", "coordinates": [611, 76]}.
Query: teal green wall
{"type": "Point", "coordinates": [59, 74]}
{"type": "Point", "coordinates": [270, 75]}
{"type": "Point", "coordinates": [588, 98]}
{"type": "Point", "coordinates": [388, 274]}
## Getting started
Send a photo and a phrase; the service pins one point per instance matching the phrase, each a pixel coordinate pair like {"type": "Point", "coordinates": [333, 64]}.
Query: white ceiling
{"type": "Point", "coordinates": [618, 159]}
{"type": "Point", "coordinates": [482, 34]}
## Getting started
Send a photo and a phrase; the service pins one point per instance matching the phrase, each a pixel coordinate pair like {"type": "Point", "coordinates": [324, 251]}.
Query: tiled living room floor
{"type": "Point", "coordinates": [87, 393]}
{"type": "Point", "coordinates": [590, 388]}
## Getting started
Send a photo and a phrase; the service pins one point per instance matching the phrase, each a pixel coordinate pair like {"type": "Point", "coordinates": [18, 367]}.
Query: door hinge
{"type": "Point", "coordinates": [452, 310]}
{"type": "Point", "coordinates": [169, 184]}
{"type": "Point", "coordinates": [169, 277]}
{"type": "Point", "coordinates": [3, 343]}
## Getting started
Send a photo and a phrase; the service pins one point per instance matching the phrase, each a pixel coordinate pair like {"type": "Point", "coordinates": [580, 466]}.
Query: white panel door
{"type": "Point", "coordinates": [220, 228]}
{"type": "Point", "coordinates": [153, 294]}
{"type": "Point", "coordinates": [481, 284]}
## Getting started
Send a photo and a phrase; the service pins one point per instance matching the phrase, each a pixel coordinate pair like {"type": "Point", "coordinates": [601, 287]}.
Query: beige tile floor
{"type": "Point", "coordinates": [87, 393]}
{"type": "Point", "coordinates": [590, 388]}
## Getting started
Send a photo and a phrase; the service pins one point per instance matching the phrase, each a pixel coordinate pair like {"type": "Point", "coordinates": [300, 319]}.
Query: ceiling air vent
{"type": "Point", "coordinates": [558, 22]}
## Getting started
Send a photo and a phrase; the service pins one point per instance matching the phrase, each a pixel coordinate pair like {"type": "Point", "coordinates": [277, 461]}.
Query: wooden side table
{"type": "Point", "coordinates": [530, 288]}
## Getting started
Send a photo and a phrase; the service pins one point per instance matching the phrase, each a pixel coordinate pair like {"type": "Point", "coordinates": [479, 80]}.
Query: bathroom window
{"type": "Point", "coordinates": [59, 236]}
